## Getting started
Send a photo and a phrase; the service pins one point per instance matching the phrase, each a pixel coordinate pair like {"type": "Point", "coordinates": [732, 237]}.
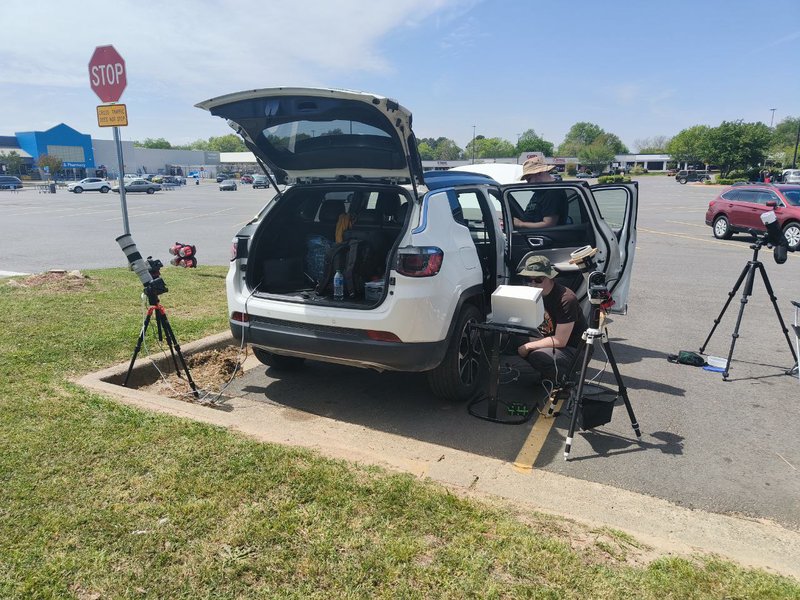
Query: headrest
{"type": "Point", "coordinates": [388, 203]}
{"type": "Point", "coordinates": [330, 210]}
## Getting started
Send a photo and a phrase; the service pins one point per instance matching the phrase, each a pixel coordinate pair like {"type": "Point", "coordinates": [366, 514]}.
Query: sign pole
{"type": "Point", "coordinates": [123, 204]}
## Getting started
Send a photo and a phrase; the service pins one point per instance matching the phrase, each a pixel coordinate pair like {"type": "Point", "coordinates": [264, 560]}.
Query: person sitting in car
{"type": "Point", "coordinates": [547, 207]}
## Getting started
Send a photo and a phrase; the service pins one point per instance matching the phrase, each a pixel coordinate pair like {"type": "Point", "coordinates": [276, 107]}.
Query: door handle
{"type": "Point", "coordinates": [536, 242]}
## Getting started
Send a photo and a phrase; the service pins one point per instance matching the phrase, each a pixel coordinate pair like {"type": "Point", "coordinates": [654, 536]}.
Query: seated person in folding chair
{"type": "Point", "coordinates": [552, 354]}
{"type": "Point", "coordinates": [547, 208]}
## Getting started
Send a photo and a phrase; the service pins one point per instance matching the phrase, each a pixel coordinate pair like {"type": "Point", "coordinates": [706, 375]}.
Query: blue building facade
{"type": "Point", "coordinates": [72, 147]}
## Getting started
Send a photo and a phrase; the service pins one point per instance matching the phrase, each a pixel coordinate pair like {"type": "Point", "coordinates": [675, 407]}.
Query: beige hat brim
{"type": "Point", "coordinates": [535, 170]}
{"type": "Point", "coordinates": [536, 274]}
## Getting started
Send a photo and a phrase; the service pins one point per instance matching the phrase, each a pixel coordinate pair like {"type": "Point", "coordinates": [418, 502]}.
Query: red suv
{"type": "Point", "coordinates": [739, 209]}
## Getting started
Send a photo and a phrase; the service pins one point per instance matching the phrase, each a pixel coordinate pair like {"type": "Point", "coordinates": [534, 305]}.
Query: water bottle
{"type": "Point", "coordinates": [338, 286]}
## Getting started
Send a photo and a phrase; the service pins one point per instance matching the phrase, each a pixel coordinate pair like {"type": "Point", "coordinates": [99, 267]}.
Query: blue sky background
{"type": "Point", "coordinates": [636, 69]}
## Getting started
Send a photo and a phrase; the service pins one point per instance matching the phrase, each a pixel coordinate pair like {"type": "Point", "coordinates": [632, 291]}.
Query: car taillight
{"type": "Point", "coordinates": [233, 251]}
{"type": "Point", "coordinates": [423, 261]}
{"type": "Point", "coordinates": [240, 316]}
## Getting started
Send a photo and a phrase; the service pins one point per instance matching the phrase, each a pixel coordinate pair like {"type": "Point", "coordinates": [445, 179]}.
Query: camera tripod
{"type": "Point", "coordinates": [747, 276]}
{"type": "Point", "coordinates": [164, 331]}
{"type": "Point", "coordinates": [595, 332]}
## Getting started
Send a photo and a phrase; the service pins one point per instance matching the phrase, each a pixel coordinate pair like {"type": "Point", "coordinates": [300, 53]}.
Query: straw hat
{"type": "Point", "coordinates": [535, 165]}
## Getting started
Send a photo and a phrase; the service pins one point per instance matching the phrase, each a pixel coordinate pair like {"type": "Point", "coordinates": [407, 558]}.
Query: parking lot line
{"type": "Point", "coordinates": [147, 214]}
{"type": "Point", "coordinates": [529, 451]}
{"type": "Point", "coordinates": [690, 224]}
{"type": "Point", "coordinates": [219, 212]}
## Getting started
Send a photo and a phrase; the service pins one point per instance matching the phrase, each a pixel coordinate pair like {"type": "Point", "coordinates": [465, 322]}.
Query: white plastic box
{"type": "Point", "coordinates": [517, 306]}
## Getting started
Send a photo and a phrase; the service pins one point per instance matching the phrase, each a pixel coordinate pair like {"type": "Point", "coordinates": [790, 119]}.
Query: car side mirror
{"type": "Point", "coordinates": [772, 204]}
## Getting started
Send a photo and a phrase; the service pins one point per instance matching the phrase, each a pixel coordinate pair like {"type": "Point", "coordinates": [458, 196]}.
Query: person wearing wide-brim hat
{"type": "Point", "coordinates": [546, 208]}
{"type": "Point", "coordinates": [564, 324]}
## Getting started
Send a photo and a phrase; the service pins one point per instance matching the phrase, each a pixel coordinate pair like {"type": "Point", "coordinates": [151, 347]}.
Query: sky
{"type": "Point", "coordinates": [637, 69]}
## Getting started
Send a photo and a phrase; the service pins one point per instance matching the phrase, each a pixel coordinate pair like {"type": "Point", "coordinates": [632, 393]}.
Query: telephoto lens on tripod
{"type": "Point", "coordinates": [137, 264]}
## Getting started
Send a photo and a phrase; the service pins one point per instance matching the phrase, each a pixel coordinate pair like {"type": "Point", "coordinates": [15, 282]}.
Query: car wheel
{"type": "Point", "coordinates": [151, 190]}
{"type": "Point", "coordinates": [78, 190]}
{"type": "Point", "coordinates": [278, 361]}
{"type": "Point", "coordinates": [792, 234]}
{"type": "Point", "coordinates": [682, 180]}
{"type": "Point", "coordinates": [722, 228]}
{"type": "Point", "coordinates": [104, 190]}
{"type": "Point", "coordinates": [458, 377]}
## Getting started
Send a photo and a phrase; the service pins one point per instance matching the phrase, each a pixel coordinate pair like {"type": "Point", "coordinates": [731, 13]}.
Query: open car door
{"type": "Point", "coordinates": [619, 205]}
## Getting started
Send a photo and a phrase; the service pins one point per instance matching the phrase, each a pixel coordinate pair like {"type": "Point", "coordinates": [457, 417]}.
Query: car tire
{"type": "Point", "coordinates": [722, 228]}
{"type": "Point", "coordinates": [458, 377]}
{"type": "Point", "coordinates": [682, 180]}
{"type": "Point", "coordinates": [78, 190]}
{"type": "Point", "coordinates": [792, 234]}
{"type": "Point", "coordinates": [151, 190]}
{"type": "Point", "coordinates": [104, 190]}
{"type": "Point", "coordinates": [278, 361]}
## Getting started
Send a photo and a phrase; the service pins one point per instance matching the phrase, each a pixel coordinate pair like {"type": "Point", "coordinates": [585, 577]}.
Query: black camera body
{"type": "Point", "coordinates": [597, 288]}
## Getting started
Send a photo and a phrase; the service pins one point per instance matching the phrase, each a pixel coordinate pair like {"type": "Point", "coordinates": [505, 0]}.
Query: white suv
{"type": "Point", "coordinates": [439, 243]}
{"type": "Point", "coordinates": [90, 184]}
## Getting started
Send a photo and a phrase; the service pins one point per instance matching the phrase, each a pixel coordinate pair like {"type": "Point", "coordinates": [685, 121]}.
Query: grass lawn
{"type": "Point", "coordinates": [99, 500]}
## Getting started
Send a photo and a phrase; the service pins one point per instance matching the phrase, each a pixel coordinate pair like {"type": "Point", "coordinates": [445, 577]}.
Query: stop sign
{"type": "Point", "coordinates": [107, 73]}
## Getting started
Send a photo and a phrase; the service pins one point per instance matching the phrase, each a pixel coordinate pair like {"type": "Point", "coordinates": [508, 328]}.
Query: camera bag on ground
{"type": "Point", "coordinates": [687, 357]}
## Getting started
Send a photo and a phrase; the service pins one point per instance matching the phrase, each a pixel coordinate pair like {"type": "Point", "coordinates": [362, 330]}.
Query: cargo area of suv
{"type": "Point", "coordinates": [287, 254]}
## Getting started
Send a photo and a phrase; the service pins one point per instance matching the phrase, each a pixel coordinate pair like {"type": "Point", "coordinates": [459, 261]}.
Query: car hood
{"type": "Point", "coordinates": [316, 134]}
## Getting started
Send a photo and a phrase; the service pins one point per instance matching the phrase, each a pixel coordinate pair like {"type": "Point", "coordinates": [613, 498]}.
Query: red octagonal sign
{"type": "Point", "coordinates": [107, 73]}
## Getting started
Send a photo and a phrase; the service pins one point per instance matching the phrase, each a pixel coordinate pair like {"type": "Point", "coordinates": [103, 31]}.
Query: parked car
{"type": "Point", "coordinates": [585, 175]}
{"type": "Point", "coordinates": [440, 242]}
{"type": "Point", "coordinates": [260, 181]}
{"type": "Point", "coordinates": [139, 185]}
{"type": "Point", "coordinates": [692, 175]}
{"type": "Point", "coordinates": [9, 182]}
{"type": "Point", "coordinates": [246, 179]}
{"type": "Point", "coordinates": [223, 176]}
{"type": "Point", "coordinates": [227, 185]}
{"type": "Point", "coordinates": [90, 184]}
{"type": "Point", "coordinates": [672, 172]}
{"type": "Point", "coordinates": [790, 176]}
{"type": "Point", "coordinates": [739, 208]}
{"type": "Point", "coordinates": [556, 176]}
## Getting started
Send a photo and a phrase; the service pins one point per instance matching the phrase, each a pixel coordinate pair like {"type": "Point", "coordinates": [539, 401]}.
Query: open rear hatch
{"type": "Point", "coordinates": [306, 134]}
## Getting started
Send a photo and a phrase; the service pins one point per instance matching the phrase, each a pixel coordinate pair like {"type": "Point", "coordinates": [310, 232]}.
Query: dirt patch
{"type": "Point", "coordinates": [54, 281]}
{"type": "Point", "coordinates": [211, 371]}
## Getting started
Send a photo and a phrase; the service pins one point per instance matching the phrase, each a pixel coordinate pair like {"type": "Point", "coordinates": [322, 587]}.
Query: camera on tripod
{"type": "Point", "coordinates": [148, 270]}
{"type": "Point", "coordinates": [596, 286]}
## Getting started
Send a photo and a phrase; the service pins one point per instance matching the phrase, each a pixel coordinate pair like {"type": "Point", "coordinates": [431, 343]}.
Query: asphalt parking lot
{"type": "Point", "coordinates": [729, 447]}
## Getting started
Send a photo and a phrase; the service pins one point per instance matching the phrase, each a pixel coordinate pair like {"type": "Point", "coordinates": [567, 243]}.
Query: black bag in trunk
{"type": "Point", "coordinates": [356, 260]}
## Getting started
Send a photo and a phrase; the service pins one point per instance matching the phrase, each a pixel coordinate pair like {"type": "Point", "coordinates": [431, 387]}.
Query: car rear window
{"type": "Point", "coordinates": [792, 197]}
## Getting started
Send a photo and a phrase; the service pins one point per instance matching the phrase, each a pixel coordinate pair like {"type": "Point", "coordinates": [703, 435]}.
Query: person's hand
{"type": "Point", "coordinates": [523, 350]}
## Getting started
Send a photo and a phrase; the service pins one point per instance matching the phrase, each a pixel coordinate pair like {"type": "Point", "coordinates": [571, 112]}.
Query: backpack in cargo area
{"type": "Point", "coordinates": [357, 261]}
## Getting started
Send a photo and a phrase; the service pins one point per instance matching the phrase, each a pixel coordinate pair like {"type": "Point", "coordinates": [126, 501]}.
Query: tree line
{"type": "Point", "coordinates": [732, 145]}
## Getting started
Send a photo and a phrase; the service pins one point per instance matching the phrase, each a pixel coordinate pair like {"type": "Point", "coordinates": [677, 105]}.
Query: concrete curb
{"type": "Point", "coordinates": [665, 526]}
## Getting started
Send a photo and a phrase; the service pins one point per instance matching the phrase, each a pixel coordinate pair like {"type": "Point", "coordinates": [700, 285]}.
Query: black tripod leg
{"type": "Point", "coordinates": [774, 300]}
{"type": "Point", "coordinates": [173, 341]}
{"type": "Point", "coordinates": [162, 328]}
{"type": "Point", "coordinates": [748, 290]}
{"type": "Point", "coordinates": [731, 294]}
{"type": "Point", "coordinates": [576, 406]}
{"type": "Point", "coordinates": [137, 349]}
{"type": "Point", "coordinates": [623, 391]}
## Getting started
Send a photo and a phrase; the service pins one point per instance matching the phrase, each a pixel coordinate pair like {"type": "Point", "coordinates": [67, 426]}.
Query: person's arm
{"type": "Point", "coordinates": [548, 221]}
{"type": "Point", "coordinates": [558, 340]}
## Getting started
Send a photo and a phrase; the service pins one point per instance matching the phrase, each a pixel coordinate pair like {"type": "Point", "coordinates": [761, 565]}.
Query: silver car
{"type": "Point", "coordinates": [791, 176]}
{"type": "Point", "coordinates": [139, 185]}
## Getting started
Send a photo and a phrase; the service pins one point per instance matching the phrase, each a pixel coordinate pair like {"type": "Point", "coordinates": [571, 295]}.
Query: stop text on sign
{"type": "Point", "coordinates": [107, 74]}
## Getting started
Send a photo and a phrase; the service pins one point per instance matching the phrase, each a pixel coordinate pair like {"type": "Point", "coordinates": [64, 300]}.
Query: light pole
{"type": "Point", "coordinates": [772, 118]}
{"type": "Point", "coordinates": [473, 144]}
{"type": "Point", "coordinates": [796, 144]}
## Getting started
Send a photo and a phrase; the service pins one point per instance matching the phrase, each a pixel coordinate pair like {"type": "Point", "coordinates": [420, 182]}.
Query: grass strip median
{"type": "Point", "coordinates": [101, 500]}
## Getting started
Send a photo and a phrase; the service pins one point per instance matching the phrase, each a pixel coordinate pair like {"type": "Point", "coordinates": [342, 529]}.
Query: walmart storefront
{"type": "Point", "coordinates": [72, 147]}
